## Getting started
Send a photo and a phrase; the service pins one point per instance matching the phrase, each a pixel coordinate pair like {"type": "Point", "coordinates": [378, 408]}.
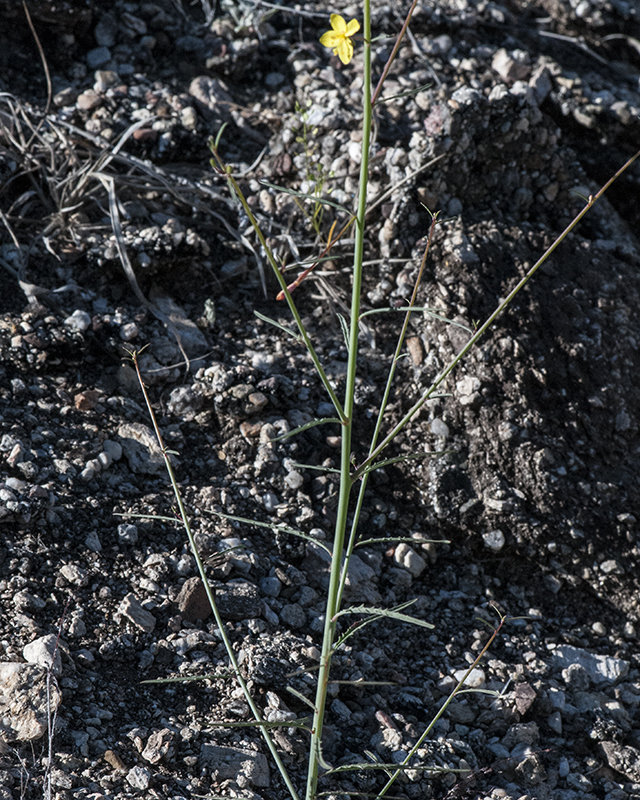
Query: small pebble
{"type": "Point", "coordinates": [294, 616]}
{"type": "Point", "coordinates": [493, 540]}
{"type": "Point", "coordinates": [45, 652]}
{"type": "Point", "coordinates": [78, 321]}
{"type": "Point", "coordinates": [129, 332]}
{"type": "Point", "coordinates": [407, 557]}
{"type": "Point", "coordinates": [128, 533]}
{"type": "Point", "coordinates": [98, 57]}
{"type": "Point", "coordinates": [139, 777]}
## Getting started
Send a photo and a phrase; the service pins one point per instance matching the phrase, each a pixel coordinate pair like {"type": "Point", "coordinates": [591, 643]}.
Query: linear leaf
{"type": "Point", "coordinates": [316, 467]}
{"type": "Point", "coordinates": [345, 329]}
{"type": "Point", "coordinates": [146, 516]}
{"type": "Point", "coordinates": [313, 197]}
{"type": "Point", "coordinates": [182, 679]}
{"type": "Point", "coordinates": [429, 311]}
{"type": "Point", "coordinates": [353, 793]}
{"type": "Point", "coordinates": [305, 427]}
{"type": "Point", "coordinates": [387, 98]}
{"type": "Point", "coordinates": [276, 324]}
{"type": "Point", "coordinates": [293, 723]}
{"type": "Point", "coordinates": [301, 697]}
{"type": "Point", "coordinates": [410, 457]}
{"type": "Point", "coordinates": [367, 683]}
{"type": "Point", "coordinates": [373, 615]}
{"type": "Point", "coordinates": [407, 539]}
{"type": "Point", "coordinates": [352, 630]}
{"type": "Point", "coordinates": [365, 765]}
{"type": "Point", "coordinates": [392, 613]}
{"type": "Point", "coordinates": [276, 527]}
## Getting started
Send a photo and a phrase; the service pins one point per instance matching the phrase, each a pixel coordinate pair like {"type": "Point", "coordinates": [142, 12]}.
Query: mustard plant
{"type": "Point", "coordinates": [353, 475]}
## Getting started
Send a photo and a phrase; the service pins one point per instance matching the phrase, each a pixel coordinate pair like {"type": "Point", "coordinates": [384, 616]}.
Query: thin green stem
{"type": "Point", "coordinates": [487, 324]}
{"type": "Point", "coordinates": [401, 337]}
{"type": "Point", "coordinates": [334, 594]}
{"type": "Point", "coordinates": [219, 621]}
{"type": "Point", "coordinates": [383, 406]}
{"type": "Point", "coordinates": [283, 284]}
{"type": "Point", "coordinates": [387, 66]}
{"type": "Point", "coordinates": [443, 708]}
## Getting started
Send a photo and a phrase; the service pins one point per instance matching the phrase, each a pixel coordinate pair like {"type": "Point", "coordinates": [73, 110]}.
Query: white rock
{"type": "Point", "coordinates": [44, 652]}
{"type": "Point", "coordinates": [439, 428]}
{"type": "Point", "coordinates": [112, 449]}
{"type": "Point", "coordinates": [139, 777]}
{"type": "Point", "coordinates": [599, 668]}
{"type": "Point", "coordinates": [131, 609]}
{"type": "Point", "coordinates": [78, 321]}
{"type": "Point", "coordinates": [406, 557]}
{"type": "Point", "coordinates": [141, 448]}
{"type": "Point", "coordinates": [232, 763]}
{"type": "Point", "coordinates": [493, 540]}
{"type": "Point", "coordinates": [75, 575]}
{"type": "Point", "coordinates": [158, 746]}
{"type": "Point", "coordinates": [475, 680]}
{"type": "Point", "coordinates": [24, 701]}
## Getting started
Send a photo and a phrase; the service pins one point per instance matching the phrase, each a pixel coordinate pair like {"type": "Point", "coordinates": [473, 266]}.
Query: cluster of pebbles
{"type": "Point", "coordinates": [490, 117]}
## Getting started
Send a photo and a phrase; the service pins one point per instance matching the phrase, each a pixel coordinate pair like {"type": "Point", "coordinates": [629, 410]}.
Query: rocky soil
{"type": "Point", "coordinates": [115, 233]}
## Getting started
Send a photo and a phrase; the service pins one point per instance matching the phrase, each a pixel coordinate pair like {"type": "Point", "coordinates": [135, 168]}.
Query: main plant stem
{"type": "Point", "coordinates": [346, 481]}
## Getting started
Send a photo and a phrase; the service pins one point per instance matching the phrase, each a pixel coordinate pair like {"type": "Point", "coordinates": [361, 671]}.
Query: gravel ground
{"type": "Point", "coordinates": [512, 114]}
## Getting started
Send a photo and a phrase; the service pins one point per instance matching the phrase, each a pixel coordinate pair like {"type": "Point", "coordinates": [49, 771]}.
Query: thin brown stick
{"type": "Point", "coordinates": [391, 58]}
{"type": "Point", "coordinates": [42, 58]}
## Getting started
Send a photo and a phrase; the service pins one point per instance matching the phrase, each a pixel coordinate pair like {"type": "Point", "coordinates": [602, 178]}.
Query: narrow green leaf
{"type": "Point", "coordinates": [491, 692]}
{"type": "Point", "coordinates": [219, 135]}
{"type": "Point", "coordinates": [276, 527]}
{"type": "Point", "coordinates": [318, 469]}
{"type": "Point", "coordinates": [409, 93]}
{"type": "Point", "coordinates": [345, 329]}
{"type": "Point", "coordinates": [411, 309]}
{"type": "Point", "coordinates": [391, 613]}
{"type": "Point", "coordinates": [364, 766]}
{"type": "Point", "coordinates": [350, 793]}
{"type": "Point", "coordinates": [185, 678]}
{"type": "Point", "coordinates": [410, 457]}
{"type": "Point", "coordinates": [351, 631]}
{"type": "Point", "coordinates": [301, 697]}
{"type": "Point", "coordinates": [305, 427]}
{"type": "Point", "coordinates": [146, 516]}
{"type": "Point", "coordinates": [293, 723]}
{"type": "Point", "coordinates": [407, 539]}
{"type": "Point", "coordinates": [276, 324]}
{"type": "Point", "coordinates": [367, 683]}
{"type": "Point", "coordinates": [373, 615]}
{"type": "Point", "coordinates": [308, 262]}
{"type": "Point", "coordinates": [304, 196]}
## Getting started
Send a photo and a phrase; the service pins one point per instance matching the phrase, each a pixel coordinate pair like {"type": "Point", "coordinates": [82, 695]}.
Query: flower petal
{"type": "Point", "coordinates": [344, 50]}
{"type": "Point", "coordinates": [338, 24]}
{"type": "Point", "coordinates": [352, 27]}
{"type": "Point", "coordinates": [330, 39]}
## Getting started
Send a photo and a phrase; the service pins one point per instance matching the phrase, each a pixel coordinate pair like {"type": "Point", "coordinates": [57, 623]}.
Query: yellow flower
{"type": "Point", "coordinates": [340, 37]}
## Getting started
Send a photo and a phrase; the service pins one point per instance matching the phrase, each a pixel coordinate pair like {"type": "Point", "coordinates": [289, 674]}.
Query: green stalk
{"type": "Point", "coordinates": [210, 596]}
{"type": "Point", "coordinates": [445, 705]}
{"type": "Point", "coordinates": [383, 406]}
{"type": "Point", "coordinates": [235, 190]}
{"type": "Point", "coordinates": [346, 482]}
{"type": "Point", "coordinates": [487, 324]}
{"type": "Point", "coordinates": [394, 52]}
